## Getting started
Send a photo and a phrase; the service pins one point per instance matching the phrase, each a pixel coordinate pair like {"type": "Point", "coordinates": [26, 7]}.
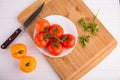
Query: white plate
{"type": "Point", "coordinates": [68, 27]}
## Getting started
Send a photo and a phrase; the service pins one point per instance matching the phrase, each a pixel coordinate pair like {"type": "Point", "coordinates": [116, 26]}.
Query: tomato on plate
{"type": "Point", "coordinates": [41, 40]}
{"type": "Point", "coordinates": [28, 64]}
{"type": "Point", "coordinates": [18, 50]}
{"type": "Point", "coordinates": [56, 30]}
{"type": "Point", "coordinates": [68, 40]}
{"type": "Point", "coordinates": [55, 48]}
{"type": "Point", "coordinates": [41, 25]}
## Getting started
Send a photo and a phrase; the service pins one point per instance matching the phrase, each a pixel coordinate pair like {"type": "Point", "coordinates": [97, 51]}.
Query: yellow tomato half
{"type": "Point", "coordinates": [18, 50]}
{"type": "Point", "coordinates": [27, 64]}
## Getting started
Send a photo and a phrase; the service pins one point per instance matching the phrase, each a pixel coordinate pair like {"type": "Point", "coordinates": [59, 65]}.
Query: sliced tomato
{"type": "Point", "coordinates": [55, 48]}
{"type": "Point", "coordinates": [41, 40]}
{"type": "Point", "coordinates": [68, 40]}
{"type": "Point", "coordinates": [56, 30]}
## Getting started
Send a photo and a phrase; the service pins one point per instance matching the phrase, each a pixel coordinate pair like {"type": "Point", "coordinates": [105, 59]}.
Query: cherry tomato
{"type": "Point", "coordinates": [41, 25]}
{"type": "Point", "coordinates": [41, 40]}
{"type": "Point", "coordinates": [55, 48]}
{"type": "Point", "coordinates": [56, 30]}
{"type": "Point", "coordinates": [68, 40]}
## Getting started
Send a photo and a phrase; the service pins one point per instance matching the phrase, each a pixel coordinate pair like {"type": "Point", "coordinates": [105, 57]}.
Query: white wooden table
{"type": "Point", "coordinates": [108, 69]}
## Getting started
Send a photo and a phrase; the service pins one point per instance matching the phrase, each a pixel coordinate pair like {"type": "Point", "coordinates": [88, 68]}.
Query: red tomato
{"type": "Point", "coordinates": [68, 40]}
{"type": "Point", "coordinates": [56, 30]}
{"type": "Point", "coordinates": [41, 40]}
{"type": "Point", "coordinates": [55, 48]}
{"type": "Point", "coordinates": [41, 25]}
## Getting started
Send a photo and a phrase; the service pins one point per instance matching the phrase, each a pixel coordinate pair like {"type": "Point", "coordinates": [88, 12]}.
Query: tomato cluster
{"type": "Point", "coordinates": [52, 37]}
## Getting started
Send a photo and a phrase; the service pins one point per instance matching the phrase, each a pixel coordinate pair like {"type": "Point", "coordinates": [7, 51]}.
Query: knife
{"type": "Point", "coordinates": [22, 28]}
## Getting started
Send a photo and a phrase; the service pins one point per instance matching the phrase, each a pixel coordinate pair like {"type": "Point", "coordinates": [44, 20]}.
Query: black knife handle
{"type": "Point", "coordinates": [11, 38]}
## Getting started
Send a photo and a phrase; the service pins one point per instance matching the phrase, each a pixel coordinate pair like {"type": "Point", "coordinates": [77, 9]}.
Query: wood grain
{"type": "Point", "coordinates": [80, 60]}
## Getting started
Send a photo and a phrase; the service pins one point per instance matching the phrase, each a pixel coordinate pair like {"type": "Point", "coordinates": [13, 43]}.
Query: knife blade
{"type": "Point", "coordinates": [22, 28]}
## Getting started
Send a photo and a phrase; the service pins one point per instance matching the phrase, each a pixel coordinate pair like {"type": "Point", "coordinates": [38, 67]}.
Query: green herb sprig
{"type": "Point", "coordinates": [83, 40]}
{"type": "Point", "coordinates": [91, 27]}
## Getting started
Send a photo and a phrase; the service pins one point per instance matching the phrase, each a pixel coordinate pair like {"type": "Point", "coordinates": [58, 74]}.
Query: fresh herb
{"type": "Point", "coordinates": [83, 40]}
{"type": "Point", "coordinates": [84, 24]}
{"type": "Point", "coordinates": [91, 27]}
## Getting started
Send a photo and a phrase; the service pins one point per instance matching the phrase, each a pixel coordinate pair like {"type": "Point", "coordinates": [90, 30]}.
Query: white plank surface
{"type": "Point", "coordinates": [108, 69]}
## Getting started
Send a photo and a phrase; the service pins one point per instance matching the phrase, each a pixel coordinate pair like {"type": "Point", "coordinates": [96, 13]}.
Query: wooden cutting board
{"type": "Point", "coordinates": [80, 60]}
